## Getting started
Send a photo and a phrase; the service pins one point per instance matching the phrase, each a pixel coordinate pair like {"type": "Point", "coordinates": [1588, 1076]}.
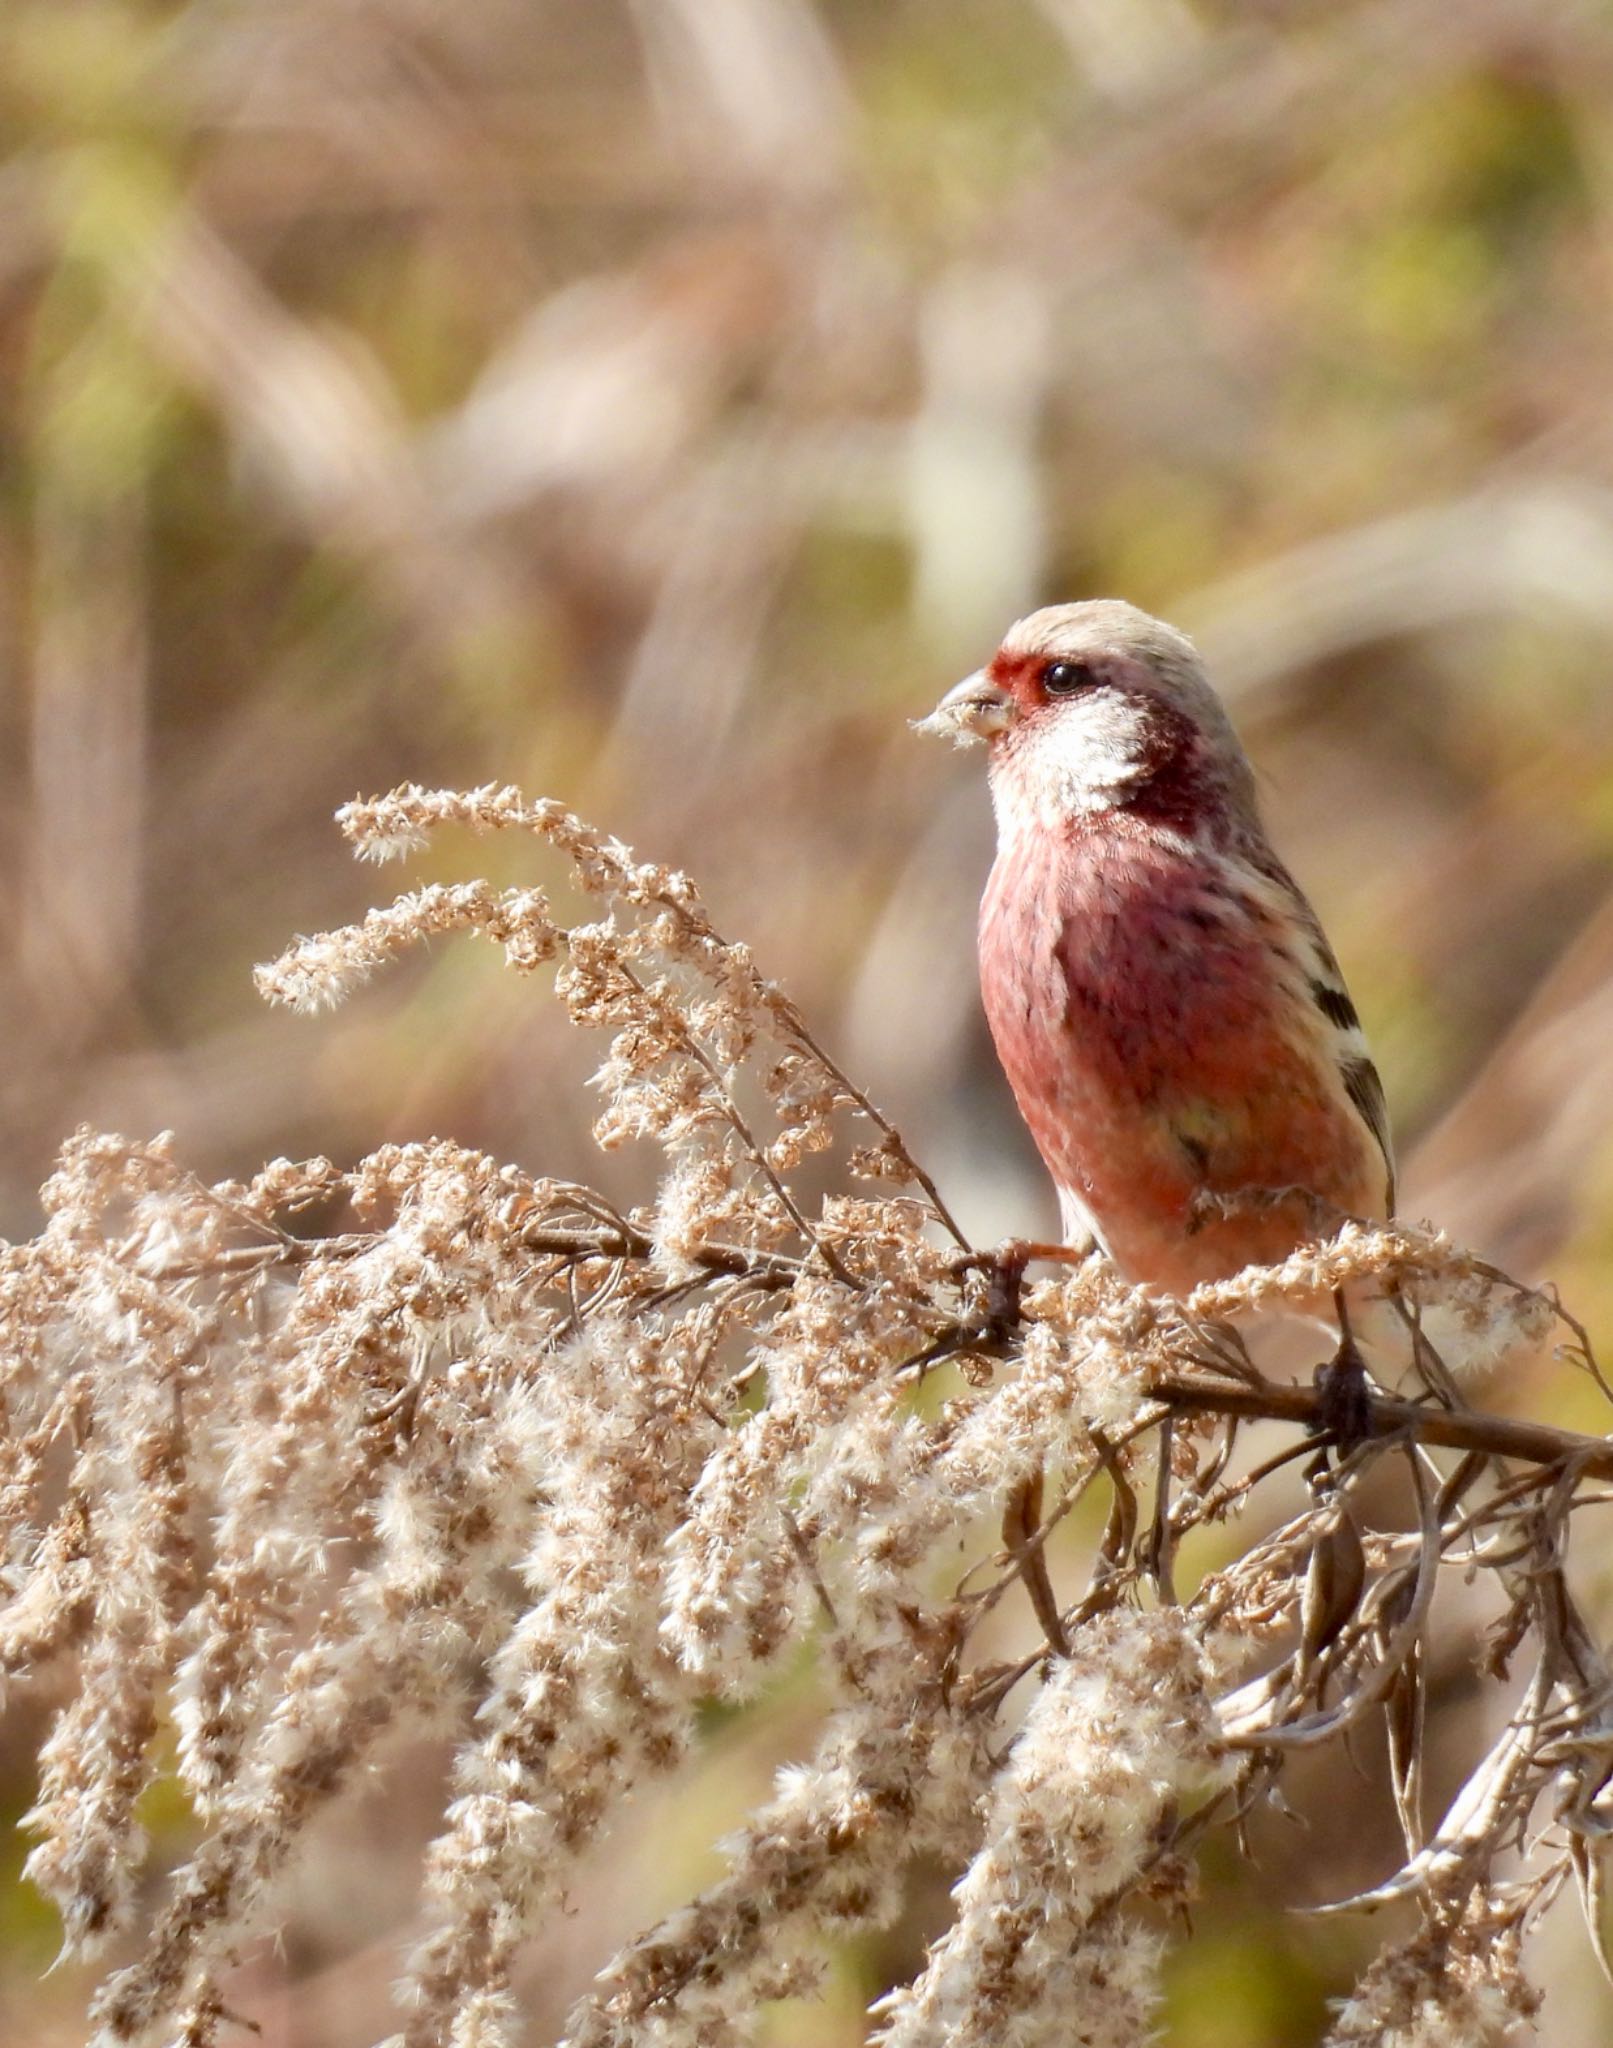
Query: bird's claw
{"type": "Point", "coordinates": [1344, 1397]}
{"type": "Point", "coordinates": [1005, 1284]}
{"type": "Point", "coordinates": [1004, 1273]}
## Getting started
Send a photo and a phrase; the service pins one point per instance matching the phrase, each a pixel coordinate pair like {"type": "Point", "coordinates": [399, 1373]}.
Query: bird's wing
{"type": "Point", "coordinates": [1341, 1019]}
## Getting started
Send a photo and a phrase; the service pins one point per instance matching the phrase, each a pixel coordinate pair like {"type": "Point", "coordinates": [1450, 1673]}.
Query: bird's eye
{"type": "Point", "coordinates": [1064, 678]}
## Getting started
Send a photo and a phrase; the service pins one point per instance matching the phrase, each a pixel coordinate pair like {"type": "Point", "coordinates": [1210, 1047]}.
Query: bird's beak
{"type": "Point", "coordinates": [975, 709]}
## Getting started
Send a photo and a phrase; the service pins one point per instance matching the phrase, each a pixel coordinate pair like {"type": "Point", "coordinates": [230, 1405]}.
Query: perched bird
{"type": "Point", "coordinates": [1171, 1018]}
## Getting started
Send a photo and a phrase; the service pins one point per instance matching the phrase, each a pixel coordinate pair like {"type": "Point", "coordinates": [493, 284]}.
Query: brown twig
{"type": "Point", "coordinates": [1504, 1436]}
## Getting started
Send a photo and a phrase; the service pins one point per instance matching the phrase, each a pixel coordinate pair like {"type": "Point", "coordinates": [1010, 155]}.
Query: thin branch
{"type": "Point", "coordinates": [1503, 1436]}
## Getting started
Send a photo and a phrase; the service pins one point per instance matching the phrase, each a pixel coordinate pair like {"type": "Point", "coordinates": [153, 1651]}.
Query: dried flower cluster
{"type": "Point", "coordinates": [303, 1461]}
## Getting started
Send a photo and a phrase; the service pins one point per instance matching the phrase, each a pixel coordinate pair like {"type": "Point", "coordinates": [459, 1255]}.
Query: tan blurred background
{"type": "Point", "coordinates": [656, 405]}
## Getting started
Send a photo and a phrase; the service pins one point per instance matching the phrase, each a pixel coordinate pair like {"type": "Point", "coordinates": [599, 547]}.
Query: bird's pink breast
{"type": "Point", "coordinates": [1159, 1049]}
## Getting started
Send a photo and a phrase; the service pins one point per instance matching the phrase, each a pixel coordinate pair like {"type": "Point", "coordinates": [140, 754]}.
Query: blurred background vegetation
{"type": "Point", "coordinates": [657, 403]}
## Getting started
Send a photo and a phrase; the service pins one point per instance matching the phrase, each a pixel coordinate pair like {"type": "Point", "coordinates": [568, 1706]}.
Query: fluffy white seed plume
{"type": "Point", "coordinates": [1458, 1983]}
{"type": "Point", "coordinates": [1120, 1738]}
{"type": "Point", "coordinates": [433, 1446]}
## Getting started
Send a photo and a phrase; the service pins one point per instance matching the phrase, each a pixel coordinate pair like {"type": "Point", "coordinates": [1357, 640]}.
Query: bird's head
{"type": "Point", "coordinates": [1093, 707]}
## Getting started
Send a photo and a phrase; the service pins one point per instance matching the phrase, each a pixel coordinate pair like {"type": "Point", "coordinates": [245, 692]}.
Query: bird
{"type": "Point", "coordinates": [1171, 1019]}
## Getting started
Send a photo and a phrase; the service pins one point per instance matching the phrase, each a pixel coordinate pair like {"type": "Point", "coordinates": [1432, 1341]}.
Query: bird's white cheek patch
{"type": "Point", "coordinates": [1082, 756]}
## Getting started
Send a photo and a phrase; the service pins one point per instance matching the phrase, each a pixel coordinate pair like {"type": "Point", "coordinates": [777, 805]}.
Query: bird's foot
{"type": "Point", "coordinates": [1004, 1270]}
{"type": "Point", "coordinates": [1344, 1397]}
{"type": "Point", "coordinates": [1025, 1251]}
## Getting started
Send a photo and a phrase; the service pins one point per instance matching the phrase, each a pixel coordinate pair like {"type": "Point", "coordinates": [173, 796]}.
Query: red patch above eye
{"type": "Point", "coordinates": [1015, 673]}
{"type": "Point", "coordinates": [1039, 679]}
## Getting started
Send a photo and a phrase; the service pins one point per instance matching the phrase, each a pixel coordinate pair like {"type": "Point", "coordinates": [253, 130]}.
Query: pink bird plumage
{"type": "Point", "coordinates": [1171, 1019]}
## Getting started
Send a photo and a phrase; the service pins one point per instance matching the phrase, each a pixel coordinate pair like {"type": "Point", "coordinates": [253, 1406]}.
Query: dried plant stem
{"type": "Point", "coordinates": [1465, 1429]}
{"type": "Point", "coordinates": [547, 1477]}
